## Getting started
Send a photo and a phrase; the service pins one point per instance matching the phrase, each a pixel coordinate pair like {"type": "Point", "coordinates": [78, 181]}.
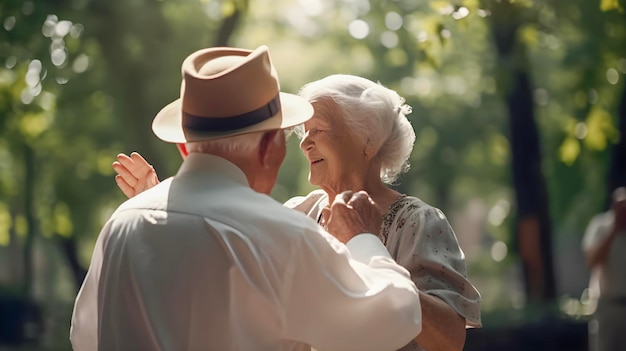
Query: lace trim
{"type": "Point", "coordinates": [390, 216]}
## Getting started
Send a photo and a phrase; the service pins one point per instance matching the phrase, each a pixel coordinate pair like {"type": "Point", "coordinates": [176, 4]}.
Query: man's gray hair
{"type": "Point", "coordinates": [243, 143]}
{"type": "Point", "coordinates": [374, 113]}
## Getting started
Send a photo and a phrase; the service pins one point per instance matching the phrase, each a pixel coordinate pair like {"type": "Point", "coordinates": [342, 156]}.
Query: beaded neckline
{"type": "Point", "coordinates": [389, 217]}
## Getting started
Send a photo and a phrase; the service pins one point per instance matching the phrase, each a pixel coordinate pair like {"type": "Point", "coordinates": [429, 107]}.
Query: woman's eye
{"type": "Point", "coordinates": [314, 131]}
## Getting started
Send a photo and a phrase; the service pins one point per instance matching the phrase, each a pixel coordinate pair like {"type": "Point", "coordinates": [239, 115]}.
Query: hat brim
{"type": "Point", "coordinates": [168, 126]}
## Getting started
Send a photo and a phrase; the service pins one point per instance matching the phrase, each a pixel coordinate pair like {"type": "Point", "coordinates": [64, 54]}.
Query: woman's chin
{"type": "Point", "coordinates": [313, 180]}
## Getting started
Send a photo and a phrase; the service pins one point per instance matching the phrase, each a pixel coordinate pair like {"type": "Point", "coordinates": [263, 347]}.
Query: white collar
{"type": "Point", "coordinates": [206, 163]}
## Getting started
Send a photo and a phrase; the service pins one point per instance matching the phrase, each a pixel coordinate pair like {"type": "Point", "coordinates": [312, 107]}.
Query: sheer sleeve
{"type": "Point", "coordinates": [421, 239]}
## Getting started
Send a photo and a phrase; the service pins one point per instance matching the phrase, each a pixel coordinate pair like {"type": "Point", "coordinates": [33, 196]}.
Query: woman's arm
{"type": "Point", "coordinates": [442, 328]}
{"type": "Point", "coordinates": [422, 240]}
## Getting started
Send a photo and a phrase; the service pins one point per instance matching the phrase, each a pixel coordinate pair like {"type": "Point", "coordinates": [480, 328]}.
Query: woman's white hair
{"type": "Point", "coordinates": [374, 113]}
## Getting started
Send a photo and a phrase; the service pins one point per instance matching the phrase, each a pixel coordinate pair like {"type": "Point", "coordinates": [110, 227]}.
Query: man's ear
{"type": "Point", "coordinates": [368, 150]}
{"type": "Point", "coordinates": [268, 145]}
{"type": "Point", "coordinates": [182, 148]}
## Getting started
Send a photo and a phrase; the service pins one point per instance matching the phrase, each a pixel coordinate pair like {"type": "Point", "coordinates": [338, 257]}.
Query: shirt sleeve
{"type": "Point", "coordinates": [351, 297]}
{"type": "Point", "coordinates": [84, 324]}
{"type": "Point", "coordinates": [597, 230]}
{"type": "Point", "coordinates": [426, 245]}
{"type": "Point", "coordinates": [306, 204]}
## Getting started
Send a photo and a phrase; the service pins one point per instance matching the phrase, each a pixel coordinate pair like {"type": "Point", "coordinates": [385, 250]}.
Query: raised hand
{"type": "Point", "coordinates": [134, 174]}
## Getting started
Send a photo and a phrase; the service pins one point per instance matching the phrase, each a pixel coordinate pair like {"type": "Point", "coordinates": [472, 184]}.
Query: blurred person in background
{"type": "Point", "coordinates": [604, 245]}
{"type": "Point", "coordinates": [360, 139]}
{"type": "Point", "coordinates": [207, 260]}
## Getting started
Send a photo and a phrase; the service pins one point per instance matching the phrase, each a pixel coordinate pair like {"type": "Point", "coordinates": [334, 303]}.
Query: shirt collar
{"type": "Point", "coordinates": [200, 162]}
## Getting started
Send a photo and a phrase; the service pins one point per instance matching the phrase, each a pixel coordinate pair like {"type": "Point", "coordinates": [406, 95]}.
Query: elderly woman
{"type": "Point", "coordinates": [360, 139]}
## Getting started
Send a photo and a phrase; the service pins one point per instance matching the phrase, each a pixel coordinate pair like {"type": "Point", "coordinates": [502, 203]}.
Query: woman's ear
{"type": "Point", "coordinates": [182, 148]}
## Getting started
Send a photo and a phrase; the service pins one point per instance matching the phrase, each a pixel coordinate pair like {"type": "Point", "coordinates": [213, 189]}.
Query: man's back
{"type": "Point", "coordinates": [193, 264]}
{"type": "Point", "coordinates": [202, 262]}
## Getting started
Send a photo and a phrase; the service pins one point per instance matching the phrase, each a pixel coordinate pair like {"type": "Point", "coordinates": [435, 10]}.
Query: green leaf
{"type": "Point", "coordinates": [600, 129]}
{"type": "Point", "coordinates": [5, 225]}
{"type": "Point", "coordinates": [569, 151]}
{"type": "Point", "coordinates": [608, 5]}
{"type": "Point", "coordinates": [63, 223]}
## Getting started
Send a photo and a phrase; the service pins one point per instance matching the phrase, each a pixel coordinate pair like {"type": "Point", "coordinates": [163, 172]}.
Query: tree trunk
{"type": "Point", "coordinates": [532, 232]}
{"type": "Point", "coordinates": [617, 169]}
{"type": "Point", "coordinates": [69, 249]}
{"type": "Point", "coordinates": [129, 76]}
{"type": "Point", "coordinates": [29, 208]}
{"type": "Point", "coordinates": [533, 228]}
{"type": "Point", "coordinates": [230, 23]}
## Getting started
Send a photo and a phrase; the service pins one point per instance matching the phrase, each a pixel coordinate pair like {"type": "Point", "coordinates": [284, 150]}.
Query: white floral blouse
{"type": "Point", "coordinates": [420, 238]}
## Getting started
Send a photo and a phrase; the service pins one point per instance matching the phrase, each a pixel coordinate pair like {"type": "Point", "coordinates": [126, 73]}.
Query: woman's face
{"type": "Point", "coordinates": [335, 156]}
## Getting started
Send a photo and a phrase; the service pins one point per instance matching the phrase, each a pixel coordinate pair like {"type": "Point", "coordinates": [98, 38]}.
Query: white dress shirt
{"type": "Point", "coordinates": [202, 262]}
{"type": "Point", "coordinates": [607, 279]}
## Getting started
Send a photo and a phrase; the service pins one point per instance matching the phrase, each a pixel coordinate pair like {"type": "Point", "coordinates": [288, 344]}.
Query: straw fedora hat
{"type": "Point", "coordinates": [225, 92]}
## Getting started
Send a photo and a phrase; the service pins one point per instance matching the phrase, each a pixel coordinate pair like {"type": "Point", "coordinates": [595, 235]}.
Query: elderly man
{"type": "Point", "coordinates": [206, 260]}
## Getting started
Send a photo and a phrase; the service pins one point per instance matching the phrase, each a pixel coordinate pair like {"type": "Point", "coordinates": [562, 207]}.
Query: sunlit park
{"type": "Point", "coordinates": [518, 106]}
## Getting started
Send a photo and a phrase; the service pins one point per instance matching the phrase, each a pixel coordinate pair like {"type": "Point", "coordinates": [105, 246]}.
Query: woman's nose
{"type": "Point", "coordinates": [306, 142]}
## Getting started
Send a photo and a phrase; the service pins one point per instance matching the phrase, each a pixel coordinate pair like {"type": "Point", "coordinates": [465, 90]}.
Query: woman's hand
{"type": "Point", "coordinates": [134, 174]}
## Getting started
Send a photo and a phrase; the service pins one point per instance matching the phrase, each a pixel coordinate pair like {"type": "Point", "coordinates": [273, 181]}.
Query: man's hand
{"type": "Point", "coordinates": [134, 174]}
{"type": "Point", "coordinates": [351, 214]}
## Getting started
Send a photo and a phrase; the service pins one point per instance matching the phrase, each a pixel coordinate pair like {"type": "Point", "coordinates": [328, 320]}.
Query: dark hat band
{"type": "Point", "coordinates": [225, 124]}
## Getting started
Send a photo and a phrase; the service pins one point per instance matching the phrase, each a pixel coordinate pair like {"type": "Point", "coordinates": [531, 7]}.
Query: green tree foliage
{"type": "Point", "coordinates": [81, 80]}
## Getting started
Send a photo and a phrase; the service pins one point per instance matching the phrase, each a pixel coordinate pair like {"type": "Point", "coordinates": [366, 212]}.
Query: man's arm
{"type": "Point", "coordinates": [338, 303]}
{"type": "Point", "coordinates": [353, 296]}
{"type": "Point", "coordinates": [84, 322]}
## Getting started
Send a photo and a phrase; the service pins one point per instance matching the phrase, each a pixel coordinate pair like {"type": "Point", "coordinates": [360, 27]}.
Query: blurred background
{"type": "Point", "coordinates": [518, 108]}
